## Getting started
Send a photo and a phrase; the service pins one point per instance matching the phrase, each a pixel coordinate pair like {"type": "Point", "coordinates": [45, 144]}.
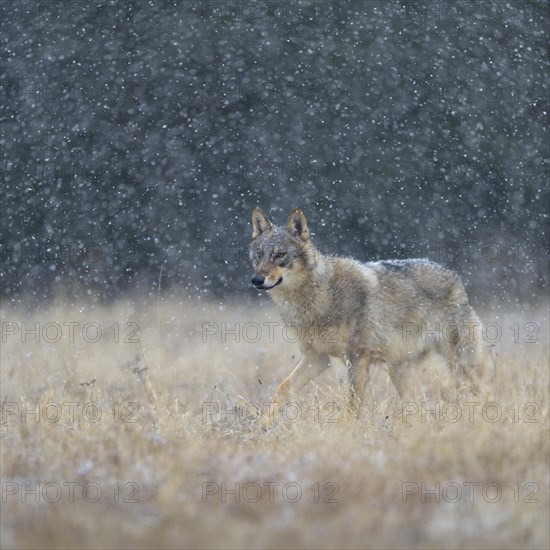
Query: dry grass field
{"type": "Point", "coordinates": [133, 426]}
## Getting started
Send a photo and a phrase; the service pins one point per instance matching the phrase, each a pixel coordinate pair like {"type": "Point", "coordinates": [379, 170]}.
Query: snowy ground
{"type": "Point", "coordinates": [132, 426]}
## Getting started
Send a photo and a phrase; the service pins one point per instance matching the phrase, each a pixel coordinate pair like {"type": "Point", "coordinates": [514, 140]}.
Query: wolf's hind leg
{"type": "Point", "coordinates": [468, 367]}
{"type": "Point", "coordinates": [468, 355]}
{"type": "Point", "coordinates": [470, 359]}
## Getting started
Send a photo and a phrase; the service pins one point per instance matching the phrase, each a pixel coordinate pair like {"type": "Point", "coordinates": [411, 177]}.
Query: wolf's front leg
{"type": "Point", "coordinates": [310, 365]}
{"type": "Point", "coordinates": [358, 373]}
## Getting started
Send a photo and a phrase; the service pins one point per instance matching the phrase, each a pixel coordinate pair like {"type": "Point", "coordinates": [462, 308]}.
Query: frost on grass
{"type": "Point", "coordinates": [165, 431]}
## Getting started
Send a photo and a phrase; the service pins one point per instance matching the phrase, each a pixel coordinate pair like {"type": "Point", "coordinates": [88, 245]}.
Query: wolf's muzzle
{"type": "Point", "coordinates": [259, 282]}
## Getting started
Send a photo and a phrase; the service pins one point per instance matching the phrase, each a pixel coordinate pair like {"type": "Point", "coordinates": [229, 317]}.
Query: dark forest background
{"type": "Point", "coordinates": [136, 137]}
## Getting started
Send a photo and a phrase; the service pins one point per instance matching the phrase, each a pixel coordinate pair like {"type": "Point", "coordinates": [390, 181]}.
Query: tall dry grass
{"type": "Point", "coordinates": [153, 442]}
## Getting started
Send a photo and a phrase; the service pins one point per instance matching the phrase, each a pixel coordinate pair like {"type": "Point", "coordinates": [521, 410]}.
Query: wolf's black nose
{"type": "Point", "coordinates": [258, 281]}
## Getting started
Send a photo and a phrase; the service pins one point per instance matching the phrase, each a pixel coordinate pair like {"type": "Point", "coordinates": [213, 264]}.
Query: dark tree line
{"type": "Point", "coordinates": [138, 136]}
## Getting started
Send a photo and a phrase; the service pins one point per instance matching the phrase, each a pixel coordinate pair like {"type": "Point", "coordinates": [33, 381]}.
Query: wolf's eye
{"type": "Point", "coordinates": [280, 255]}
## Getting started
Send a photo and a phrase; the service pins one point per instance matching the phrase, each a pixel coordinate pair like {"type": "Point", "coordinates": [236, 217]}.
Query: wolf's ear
{"type": "Point", "coordinates": [297, 225]}
{"type": "Point", "coordinates": [259, 223]}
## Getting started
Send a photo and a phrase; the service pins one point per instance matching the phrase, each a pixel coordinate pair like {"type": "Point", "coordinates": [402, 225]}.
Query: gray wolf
{"type": "Point", "coordinates": [395, 312]}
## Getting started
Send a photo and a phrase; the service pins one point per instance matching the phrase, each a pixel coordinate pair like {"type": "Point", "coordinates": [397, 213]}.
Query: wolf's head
{"type": "Point", "coordinates": [280, 255]}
